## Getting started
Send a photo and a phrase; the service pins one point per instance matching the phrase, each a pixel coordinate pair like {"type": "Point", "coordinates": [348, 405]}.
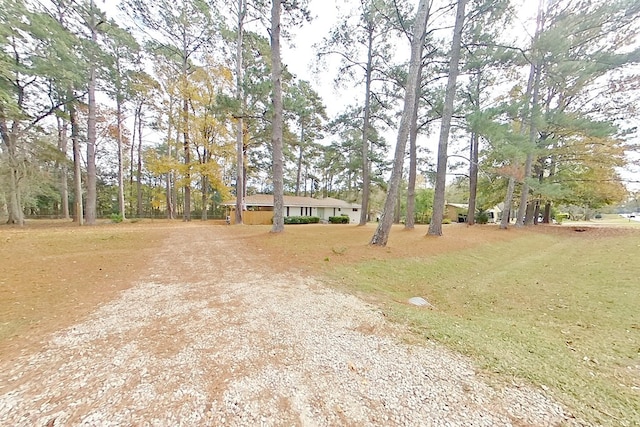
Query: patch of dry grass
{"type": "Point", "coordinates": [54, 273]}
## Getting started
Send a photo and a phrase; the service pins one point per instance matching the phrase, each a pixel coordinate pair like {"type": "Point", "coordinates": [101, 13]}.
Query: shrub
{"type": "Point", "coordinates": [482, 217]}
{"type": "Point", "coordinates": [116, 217]}
{"type": "Point", "coordinates": [301, 220]}
{"type": "Point", "coordinates": [559, 217]}
{"type": "Point", "coordinates": [446, 220]}
{"type": "Point", "coordinates": [342, 219]}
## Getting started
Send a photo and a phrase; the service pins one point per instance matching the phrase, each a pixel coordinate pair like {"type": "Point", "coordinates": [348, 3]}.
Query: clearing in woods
{"type": "Point", "coordinates": [66, 299]}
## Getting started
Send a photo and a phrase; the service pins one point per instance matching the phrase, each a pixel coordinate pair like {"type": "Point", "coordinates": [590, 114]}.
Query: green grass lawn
{"type": "Point", "coordinates": [559, 311]}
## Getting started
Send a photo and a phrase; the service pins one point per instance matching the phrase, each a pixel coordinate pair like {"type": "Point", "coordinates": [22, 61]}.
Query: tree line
{"type": "Point", "coordinates": [169, 108]}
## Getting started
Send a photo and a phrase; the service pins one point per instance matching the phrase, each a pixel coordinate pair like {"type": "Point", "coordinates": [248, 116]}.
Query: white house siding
{"type": "Point", "coordinates": [304, 206]}
{"type": "Point", "coordinates": [352, 213]}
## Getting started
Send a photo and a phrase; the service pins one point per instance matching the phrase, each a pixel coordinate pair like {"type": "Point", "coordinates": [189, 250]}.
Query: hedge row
{"type": "Point", "coordinates": [342, 219]}
{"type": "Point", "coordinates": [301, 220]}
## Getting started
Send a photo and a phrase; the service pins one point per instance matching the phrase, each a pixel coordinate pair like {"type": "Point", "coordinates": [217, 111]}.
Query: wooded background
{"type": "Point", "coordinates": [168, 110]}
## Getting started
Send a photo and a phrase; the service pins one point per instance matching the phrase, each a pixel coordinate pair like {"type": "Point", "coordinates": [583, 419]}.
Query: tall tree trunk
{"type": "Point", "coordinates": [186, 216]}
{"type": "Point", "coordinates": [136, 117]}
{"type": "Point", "coordinates": [508, 204]}
{"type": "Point", "coordinates": [139, 171]}
{"type": "Point", "coordinates": [508, 201]}
{"type": "Point", "coordinates": [174, 195]}
{"type": "Point", "coordinates": [121, 205]}
{"type": "Point", "coordinates": [552, 172]}
{"type": "Point", "coordinates": [435, 228]}
{"type": "Point", "coordinates": [381, 235]}
{"type": "Point", "coordinates": [473, 178]}
{"type": "Point", "coordinates": [366, 179]}
{"type": "Point", "coordinates": [277, 124]}
{"type": "Point", "coordinates": [92, 195]}
{"type": "Point", "coordinates": [205, 197]}
{"type": "Point", "coordinates": [299, 165]}
{"type": "Point", "coordinates": [244, 171]}
{"type": "Point", "coordinates": [473, 160]}
{"type": "Point", "coordinates": [413, 161]}
{"type": "Point", "coordinates": [16, 214]}
{"type": "Point", "coordinates": [77, 165]}
{"type": "Point", "coordinates": [522, 217]}
{"type": "Point", "coordinates": [533, 110]}
{"type": "Point", "coordinates": [63, 168]}
{"type": "Point", "coordinates": [240, 181]}
{"type": "Point", "coordinates": [536, 211]}
{"type": "Point", "coordinates": [167, 179]}
{"type": "Point", "coordinates": [398, 209]}
{"type": "Point", "coordinates": [11, 139]}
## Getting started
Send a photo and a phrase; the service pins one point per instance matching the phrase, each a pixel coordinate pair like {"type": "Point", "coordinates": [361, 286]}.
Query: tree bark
{"type": "Point", "coordinates": [205, 197]}
{"type": "Point", "coordinates": [397, 211]}
{"type": "Point", "coordinates": [186, 215]}
{"type": "Point", "coordinates": [121, 205]}
{"type": "Point", "coordinates": [139, 171]}
{"type": "Point", "coordinates": [277, 124]}
{"type": "Point", "coordinates": [366, 179]}
{"type": "Point", "coordinates": [299, 165]}
{"type": "Point", "coordinates": [77, 165]}
{"type": "Point", "coordinates": [167, 179]}
{"type": "Point", "coordinates": [536, 73]}
{"type": "Point", "coordinates": [16, 215]}
{"type": "Point", "coordinates": [473, 178]}
{"type": "Point", "coordinates": [132, 152]}
{"type": "Point", "coordinates": [9, 140]}
{"type": "Point", "coordinates": [92, 195]}
{"type": "Point", "coordinates": [435, 228]}
{"type": "Point", "coordinates": [508, 202]}
{"type": "Point", "coordinates": [473, 160]}
{"type": "Point", "coordinates": [381, 235]}
{"type": "Point", "coordinates": [240, 188]}
{"type": "Point", "coordinates": [64, 170]}
{"type": "Point", "coordinates": [413, 161]}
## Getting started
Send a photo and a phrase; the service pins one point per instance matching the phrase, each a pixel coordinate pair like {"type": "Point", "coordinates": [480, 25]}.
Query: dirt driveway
{"type": "Point", "coordinates": [212, 335]}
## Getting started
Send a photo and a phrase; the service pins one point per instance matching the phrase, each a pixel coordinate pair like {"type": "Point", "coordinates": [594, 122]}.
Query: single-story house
{"type": "Point", "coordinates": [259, 208]}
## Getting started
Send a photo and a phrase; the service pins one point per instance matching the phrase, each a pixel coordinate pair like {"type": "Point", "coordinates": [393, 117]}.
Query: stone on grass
{"type": "Point", "coordinates": [420, 302]}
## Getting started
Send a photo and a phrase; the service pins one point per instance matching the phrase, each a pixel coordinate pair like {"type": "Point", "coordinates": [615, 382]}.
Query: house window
{"type": "Point", "coordinates": [355, 209]}
{"type": "Point", "coordinates": [301, 210]}
{"type": "Point", "coordinates": [287, 211]}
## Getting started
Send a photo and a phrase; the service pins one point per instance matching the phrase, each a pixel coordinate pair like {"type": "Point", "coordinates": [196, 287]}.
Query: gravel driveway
{"type": "Point", "coordinates": [211, 336]}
